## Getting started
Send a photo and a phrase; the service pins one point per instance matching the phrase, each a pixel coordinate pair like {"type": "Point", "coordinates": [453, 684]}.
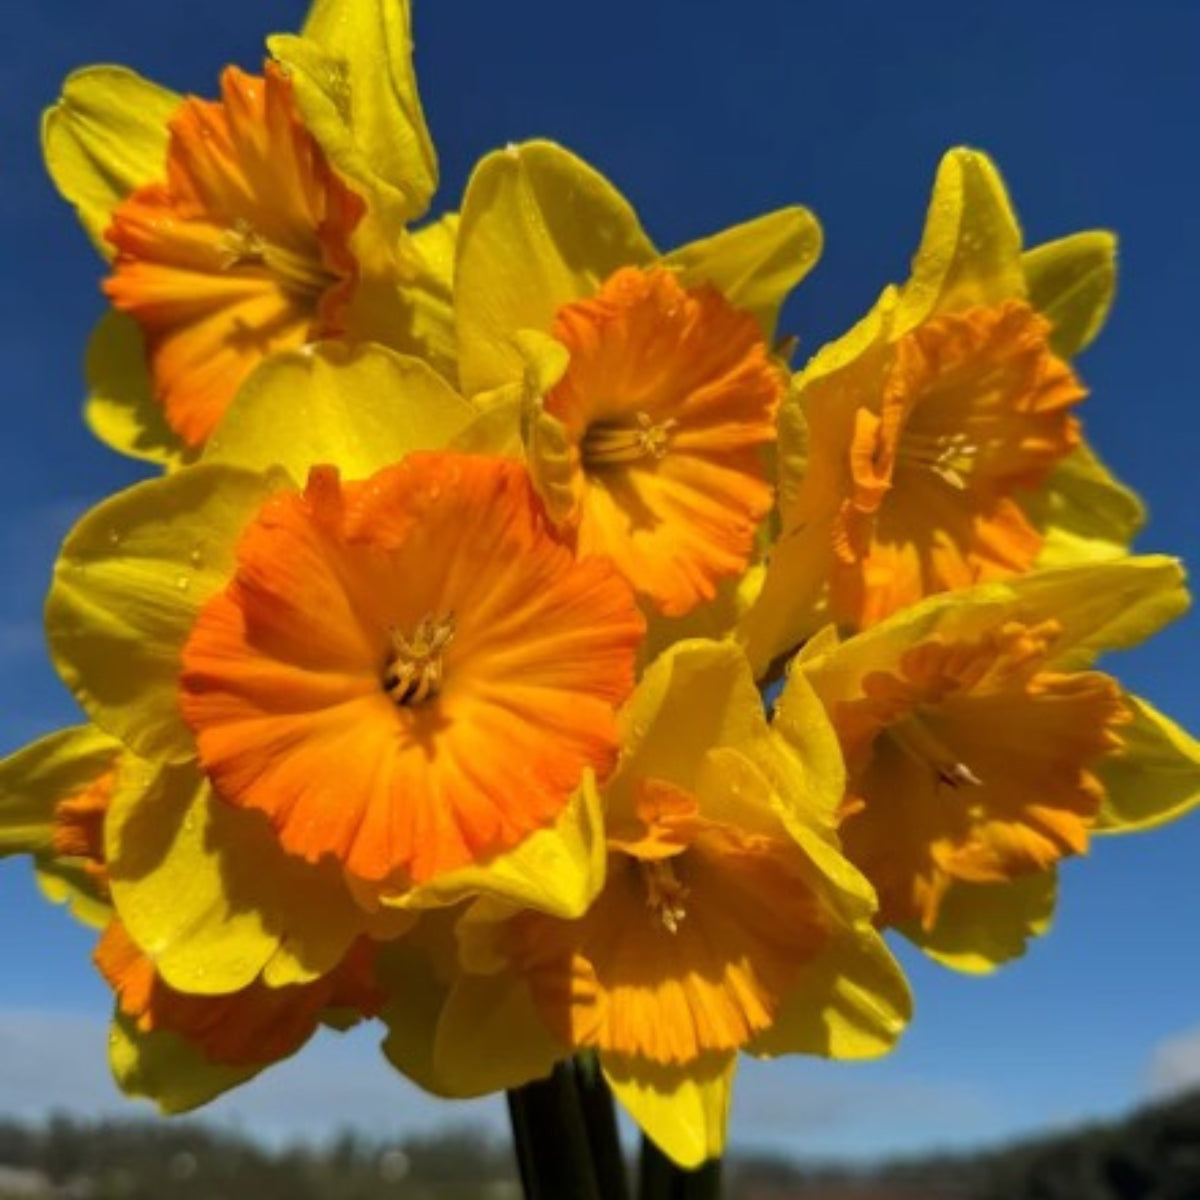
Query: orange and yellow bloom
{"type": "Point", "coordinates": [243, 251]}
{"type": "Point", "coordinates": [726, 920]}
{"type": "Point", "coordinates": [930, 438]}
{"type": "Point", "coordinates": [659, 385]}
{"type": "Point", "coordinates": [408, 673]}
{"type": "Point", "coordinates": [259, 222]}
{"type": "Point", "coordinates": [981, 750]}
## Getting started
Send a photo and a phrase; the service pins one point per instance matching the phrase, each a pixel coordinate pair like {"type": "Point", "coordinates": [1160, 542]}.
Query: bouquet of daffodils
{"type": "Point", "coordinates": [513, 647]}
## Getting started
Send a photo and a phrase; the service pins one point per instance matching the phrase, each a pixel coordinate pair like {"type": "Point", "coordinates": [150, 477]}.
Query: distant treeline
{"type": "Point", "coordinates": [1153, 1155]}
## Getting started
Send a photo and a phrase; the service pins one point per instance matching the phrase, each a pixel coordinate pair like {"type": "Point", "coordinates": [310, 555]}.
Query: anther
{"type": "Point", "coordinates": [414, 670]}
{"type": "Point", "coordinates": [919, 742]}
{"type": "Point", "coordinates": [613, 442]}
{"type": "Point", "coordinates": [950, 456]}
{"type": "Point", "coordinates": [664, 893]}
{"type": "Point", "coordinates": [241, 245]}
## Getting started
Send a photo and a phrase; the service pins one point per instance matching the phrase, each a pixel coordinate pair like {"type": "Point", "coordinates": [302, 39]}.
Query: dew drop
{"type": "Point", "coordinates": [114, 537]}
{"type": "Point", "coordinates": [196, 558]}
{"type": "Point", "coordinates": [182, 583]}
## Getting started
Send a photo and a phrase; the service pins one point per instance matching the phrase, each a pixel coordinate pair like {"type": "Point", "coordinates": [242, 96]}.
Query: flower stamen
{"type": "Point", "coordinates": [298, 275]}
{"type": "Point", "coordinates": [414, 670]}
{"type": "Point", "coordinates": [950, 456]}
{"type": "Point", "coordinates": [608, 443]}
{"type": "Point", "coordinates": [240, 245]}
{"type": "Point", "coordinates": [665, 895]}
{"type": "Point", "coordinates": [919, 742]}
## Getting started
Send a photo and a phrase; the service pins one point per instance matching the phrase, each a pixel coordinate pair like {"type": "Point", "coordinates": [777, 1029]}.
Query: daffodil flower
{"type": "Point", "coordinates": [727, 921]}
{"type": "Point", "coordinates": [258, 222]}
{"type": "Point", "coordinates": [659, 384]}
{"type": "Point", "coordinates": [178, 1048]}
{"type": "Point", "coordinates": [982, 749]}
{"type": "Point", "coordinates": [358, 687]}
{"type": "Point", "coordinates": [936, 445]}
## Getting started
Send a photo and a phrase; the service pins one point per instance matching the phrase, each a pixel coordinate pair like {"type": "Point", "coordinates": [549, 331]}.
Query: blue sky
{"type": "Point", "coordinates": [704, 114]}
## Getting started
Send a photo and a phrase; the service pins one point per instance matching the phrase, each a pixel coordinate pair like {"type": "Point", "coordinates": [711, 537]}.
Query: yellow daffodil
{"type": "Point", "coordinates": [178, 1048]}
{"type": "Point", "coordinates": [380, 687]}
{"type": "Point", "coordinates": [659, 385]}
{"type": "Point", "coordinates": [936, 444]}
{"type": "Point", "coordinates": [727, 921]}
{"type": "Point", "coordinates": [251, 224]}
{"type": "Point", "coordinates": [982, 748]}
{"type": "Point", "coordinates": [53, 796]}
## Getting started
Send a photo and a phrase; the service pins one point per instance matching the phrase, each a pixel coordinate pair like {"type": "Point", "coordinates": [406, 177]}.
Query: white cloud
{"type": "Point", "coordinates": [1175, 1065]}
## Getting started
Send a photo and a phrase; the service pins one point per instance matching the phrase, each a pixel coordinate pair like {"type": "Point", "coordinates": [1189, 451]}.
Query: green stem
{"type": "Point", "coordinates": [601, 1120]}
{"type": "Point", "coordinates": [550, 1136]}
{"type": "Point", "coordinates": [661, 1179]}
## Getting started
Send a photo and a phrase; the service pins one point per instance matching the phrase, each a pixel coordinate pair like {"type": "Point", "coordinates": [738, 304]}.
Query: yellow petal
{"type": "Point", "coordinates": [416, 972]}
{"type": "Point", "coordinates": [128, 583]}
{"type": "Point", "coordinates": [106, 136]}
{"type": "Point", "coordinates": [371, 40]}
{"type": "Point", "coordinates": [683, 1111]}
{"type": "Point", "coordinates": [1100, 606]}
{"type": "Point", "coordinates": [72, 885]}
{"type": "Point", "coordinates": [1104, 606]}
{"type": "Point", "coordinates": [358, 407]}
{"type": "Point", "coordinates": [120, 409]}
{"type": "Point", "coordinates": [437, 244]}
{"type": "Point", "coordinates": [558, 870]}
{"type": "Point", "coordinates": [167, 1069]}
{"type": "Point", "coordinates": [495, 431]}
{"type": "Point", "coordinates": [207, 893]}
{"type": "Point", "coordinates": [539, 229]}
{"type": "Point", "coordinates": [412, 1023]}
{"type": "Point", "coordinates": [697, 696]}
{"type": "Point", "coordinates": [970, 252]}
{"type": "Point", "coordinates": [713, 620]}
{"type": "Point", "coordinates": [788, 608]}
{"type": "Point", "coordinates": [491, 1037]}
{"type": "Point", "coordinates": [791, 454]}
{"type": "Point", "coordinates": [429, 296]}
{"type": "Point", "coordinates": [851, 1002]}
{"type": "Point", "coordinates": [808, 745]}
{"type": "Point", "coordinates": [980, 926]}
{"type": "Point", "coordinates": [1154, 778]}
{"type": "Point", "coordinates": [755, 264]}
{"type": "Point", "coordinates": [323, 90]}
{"type": "Point", "coordinates": [1083, 512]}
{"type": "Point", "coordinates": [1071, 281]}
{"type": "Point", "coordinates": [36, 778]}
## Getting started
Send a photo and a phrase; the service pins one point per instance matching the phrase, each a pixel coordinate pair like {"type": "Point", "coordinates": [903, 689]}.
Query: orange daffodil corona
{"type": "Point", "coordinates": [424, 685]}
